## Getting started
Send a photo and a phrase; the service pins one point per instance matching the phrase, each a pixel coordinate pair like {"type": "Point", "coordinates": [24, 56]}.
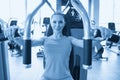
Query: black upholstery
{"type": "Point", "coordinates": [77, 53]}
{"type": "Point", "coordinates": [111, 26]}
{"type": "Point", "coordinates": [114, 38]}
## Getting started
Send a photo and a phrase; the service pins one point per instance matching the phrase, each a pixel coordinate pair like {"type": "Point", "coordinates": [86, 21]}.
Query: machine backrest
{"type": "Point", "coordinates": [111, 26]}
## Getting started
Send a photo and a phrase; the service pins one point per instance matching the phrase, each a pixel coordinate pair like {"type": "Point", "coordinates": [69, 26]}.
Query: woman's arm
{"type": "Point", "coordinates": [19, 40]}
{"type": "Point", "coordinates": [10, 33]}
{"type": "Point", "coordinates": [76, 42]}
{"type": "Point", "coordinates": [38, 42]}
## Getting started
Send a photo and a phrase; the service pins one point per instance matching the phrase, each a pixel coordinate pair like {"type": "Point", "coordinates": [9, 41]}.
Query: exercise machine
{"type": "Point", "coordinates": [14, 48]}
{"type": "Point", "coordinates": [114, 39]}
{"type": "Point", "coordinates": [87, 62]}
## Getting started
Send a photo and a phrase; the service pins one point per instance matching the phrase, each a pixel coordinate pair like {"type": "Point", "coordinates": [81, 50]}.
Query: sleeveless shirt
{"type": "Point", "coordinates": [57, 54]}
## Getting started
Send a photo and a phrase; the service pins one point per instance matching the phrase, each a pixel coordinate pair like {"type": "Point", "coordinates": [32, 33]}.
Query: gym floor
{"type": "Point", "coordinates": [101, 70]}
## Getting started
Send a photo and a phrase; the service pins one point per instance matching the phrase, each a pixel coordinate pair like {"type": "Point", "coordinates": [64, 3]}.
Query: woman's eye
{"type": "Point", "coordinates": [60, 21]}
{"type": "Point", "coordinates": [54, 21]}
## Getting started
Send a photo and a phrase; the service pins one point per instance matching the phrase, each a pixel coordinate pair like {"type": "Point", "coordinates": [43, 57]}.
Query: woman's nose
{"type": "Point", "coordinates": [57, 24]}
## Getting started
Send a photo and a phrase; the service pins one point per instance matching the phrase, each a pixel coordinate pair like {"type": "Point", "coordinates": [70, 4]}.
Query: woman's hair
{"type": "Point", "coordinates": [58, 13]}
{"type": "Point", "coordinates": [98, 33]}
{"type": "Point", "coordinates": [64, 31]}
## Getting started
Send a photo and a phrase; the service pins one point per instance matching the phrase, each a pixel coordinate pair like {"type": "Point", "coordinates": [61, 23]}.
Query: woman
{"type": "Point", "coordinates": [57, 48]}
{"type": "Point", "coordinates": [97, 44]}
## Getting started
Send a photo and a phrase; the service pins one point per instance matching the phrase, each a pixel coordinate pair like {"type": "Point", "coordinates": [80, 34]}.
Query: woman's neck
{"type": "Point", "coordinates": [57, 35]}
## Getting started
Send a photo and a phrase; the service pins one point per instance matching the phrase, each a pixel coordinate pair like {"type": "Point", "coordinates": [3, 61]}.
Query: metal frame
{"type": "Point", "coordinates": [4, 63]}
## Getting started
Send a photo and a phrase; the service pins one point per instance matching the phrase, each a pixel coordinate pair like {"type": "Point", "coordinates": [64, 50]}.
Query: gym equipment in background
{"type": "Point", "coordinates": [13, 46]}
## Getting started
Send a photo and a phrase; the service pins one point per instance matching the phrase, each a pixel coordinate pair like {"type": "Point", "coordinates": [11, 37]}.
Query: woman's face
{"type": "Point", "coordinates": [57, 23]}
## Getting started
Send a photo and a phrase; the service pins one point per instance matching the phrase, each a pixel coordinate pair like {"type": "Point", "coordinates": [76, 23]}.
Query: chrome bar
{"type": "Point", "coordinates": [58, 5]}
{"type": "Point", "coordinates": [27, 36]}
{"type": "Point", "coordinates": [29, 20]}
{"type": "Point", "coordinates": [50, 6]}
{"type": "Point", "coordinates": [87, 35]}
{"type": "Point", "coordinates": [81, 10]}
{"type": "Point", "coordinates": [4, 62]}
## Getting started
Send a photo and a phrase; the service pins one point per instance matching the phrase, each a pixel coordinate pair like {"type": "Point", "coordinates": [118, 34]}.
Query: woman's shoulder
{"type": "Point", "coordinates": [71, 37]}
{"type": "Point", "coordinates": [44, 37]}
